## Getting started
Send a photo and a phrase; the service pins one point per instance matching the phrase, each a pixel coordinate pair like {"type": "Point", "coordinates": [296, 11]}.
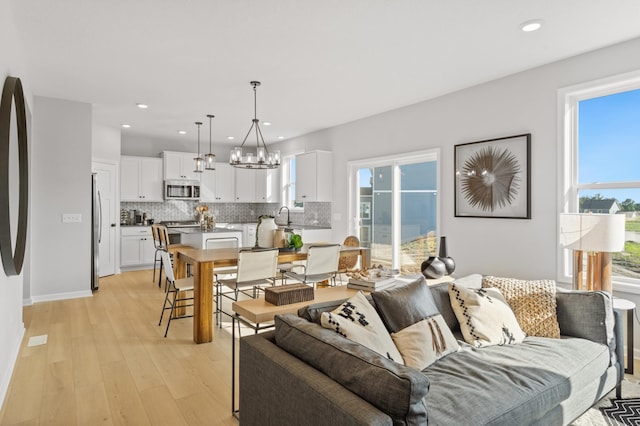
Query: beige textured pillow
{"type": "Point", "coordinates": [357, 320]}
{"type": "Point", "coordinates": [423, 343]}
{"type": "Point", "coordinates": [485, 316]}
{"type": "Point", "coordinates": [533, 303]}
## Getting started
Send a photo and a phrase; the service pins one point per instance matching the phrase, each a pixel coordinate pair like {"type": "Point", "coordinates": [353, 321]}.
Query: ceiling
{"type": "Point", "coordinates": [321, 63]}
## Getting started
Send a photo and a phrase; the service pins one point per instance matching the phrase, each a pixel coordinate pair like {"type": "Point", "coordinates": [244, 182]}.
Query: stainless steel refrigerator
{"type": "Point", "coordinates": [96, 231]}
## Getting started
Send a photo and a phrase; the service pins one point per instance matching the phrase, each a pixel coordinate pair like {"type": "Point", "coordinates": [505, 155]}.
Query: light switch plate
{"type": "Point", "coordinates": [71, 217]}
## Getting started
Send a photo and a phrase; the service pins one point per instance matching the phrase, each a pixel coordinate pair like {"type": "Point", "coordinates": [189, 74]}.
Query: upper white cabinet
{"type": "Point", "coordinates": [314, 176]}
{"type": "Point", "coordinates": [245, 185]}
{"type": "Point", "coordinates": [179, 165]}
{"type": "Point", "coordinates": [267, 186]}
{"type": "Point", "coordinates": [218, 185]}
{"type": "Point", "coordinates": [140, 179]}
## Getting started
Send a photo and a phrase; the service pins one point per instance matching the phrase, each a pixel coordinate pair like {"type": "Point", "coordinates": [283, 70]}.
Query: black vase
{"type": "Point", "coordinates": [449, 263]}
{"type": "Point", "coordinates": [433, 268]}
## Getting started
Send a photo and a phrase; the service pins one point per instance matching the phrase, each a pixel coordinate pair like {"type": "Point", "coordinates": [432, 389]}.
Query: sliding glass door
{"type": "Point", "coordinates": [395, 205]}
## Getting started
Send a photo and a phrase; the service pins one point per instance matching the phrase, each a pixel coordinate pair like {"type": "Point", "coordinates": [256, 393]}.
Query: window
{"type": "Point", "coordinates": [601, 133]}
{"type": "Point", "coordinates": [395, 205]}
{"type": "Point", "coordinates": [288, 166]}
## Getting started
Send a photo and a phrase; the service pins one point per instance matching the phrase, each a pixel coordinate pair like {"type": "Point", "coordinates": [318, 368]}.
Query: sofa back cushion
{"type": "Point", "coordinates": [395, 389]}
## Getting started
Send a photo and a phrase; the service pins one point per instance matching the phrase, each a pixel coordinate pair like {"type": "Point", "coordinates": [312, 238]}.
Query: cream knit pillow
{"type": "Point", "coordinates": [533, 303]}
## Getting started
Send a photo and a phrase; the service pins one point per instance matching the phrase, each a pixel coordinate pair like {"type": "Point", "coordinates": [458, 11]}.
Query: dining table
{"type": "Point", "coordinates": [203, 263]}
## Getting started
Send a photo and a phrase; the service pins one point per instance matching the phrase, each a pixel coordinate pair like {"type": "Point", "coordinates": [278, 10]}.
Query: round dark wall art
{"type": "Point", "coordinates": [490, 178]}
{"type": "Point", "coordinates": [12, 94]}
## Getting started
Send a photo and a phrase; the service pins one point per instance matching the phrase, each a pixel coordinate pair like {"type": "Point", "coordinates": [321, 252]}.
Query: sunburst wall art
{"type": "Point", "coordinates": [492, 178]}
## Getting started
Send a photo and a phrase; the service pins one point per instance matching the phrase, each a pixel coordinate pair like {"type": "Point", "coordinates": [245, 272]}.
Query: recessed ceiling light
{"type": "Point", "coordinates": [143, 106]}
{"type": "Point", "coordinates": [182, 132]}
{"type": "Point", "coordinates": [266, 123]}
{"type": "Point", "coordinates": [280, 137]}
{"type": "Point", "coordinates": [531, 26]}
{"type": "Point", "coordinates": [230, 138]}
{"type": "Point", "coordinates": [125, 126]}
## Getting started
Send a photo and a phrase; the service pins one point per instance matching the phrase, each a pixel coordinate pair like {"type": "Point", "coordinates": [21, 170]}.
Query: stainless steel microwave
{"type": "Point", "coordinates": [181, 190]}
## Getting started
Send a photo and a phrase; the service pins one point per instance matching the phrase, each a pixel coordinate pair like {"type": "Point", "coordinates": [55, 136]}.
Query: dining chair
{"type": "Point", "coordinates": [321, 265]}
{"type": "Point", "coordinates": [174, 287]}
{"type": "Point", "coordinates": [256, 267]}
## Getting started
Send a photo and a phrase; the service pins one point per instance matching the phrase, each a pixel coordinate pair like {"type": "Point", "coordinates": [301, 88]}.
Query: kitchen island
{"type": "Point", "coordinates": [220, 237]}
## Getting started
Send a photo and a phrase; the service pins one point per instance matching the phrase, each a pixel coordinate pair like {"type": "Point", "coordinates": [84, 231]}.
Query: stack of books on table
{"type": "Point", "coordinates": [371, 284]}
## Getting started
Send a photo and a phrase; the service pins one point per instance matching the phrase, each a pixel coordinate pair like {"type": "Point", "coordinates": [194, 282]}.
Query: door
{"type": "Point", "coordinates": [106, 181]}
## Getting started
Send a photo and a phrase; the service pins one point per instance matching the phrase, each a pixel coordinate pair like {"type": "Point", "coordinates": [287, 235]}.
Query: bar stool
{"type": "Point", "coordinates": [163, 236]}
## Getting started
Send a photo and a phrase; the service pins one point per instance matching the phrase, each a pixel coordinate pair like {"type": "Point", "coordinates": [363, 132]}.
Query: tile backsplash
{"type": "Point", "coordinates": [314, 213]}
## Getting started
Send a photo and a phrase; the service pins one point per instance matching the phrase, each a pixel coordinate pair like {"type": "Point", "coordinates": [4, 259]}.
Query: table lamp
{"type": "Point", "coordinates": [597, 235]}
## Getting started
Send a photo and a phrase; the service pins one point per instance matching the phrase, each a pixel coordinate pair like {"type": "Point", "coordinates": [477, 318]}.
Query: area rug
{"type": "Point", "coordinates": [615, 412]}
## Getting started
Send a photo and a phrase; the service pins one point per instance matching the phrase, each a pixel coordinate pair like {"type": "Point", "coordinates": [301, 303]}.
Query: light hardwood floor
{"type": "Point", "coordinates": [106, 362]}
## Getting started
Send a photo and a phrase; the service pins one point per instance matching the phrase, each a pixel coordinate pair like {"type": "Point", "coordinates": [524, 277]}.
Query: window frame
{"type": "Point", "coordinates": [286, 183]}
{"type": "Point", "coordinates": [433, 154]}
{"type": "Point", "coordinates": [568, 185]}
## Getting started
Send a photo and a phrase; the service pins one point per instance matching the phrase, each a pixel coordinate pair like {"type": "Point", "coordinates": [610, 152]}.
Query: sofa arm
{"type": "Point", "coordinates": [588, 315]}
{"type": "Point", "coordinates": [277, 388]}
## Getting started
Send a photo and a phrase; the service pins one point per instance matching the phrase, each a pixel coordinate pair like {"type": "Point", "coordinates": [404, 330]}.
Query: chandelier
{"type": "Point", "coordinates": [262, 158]}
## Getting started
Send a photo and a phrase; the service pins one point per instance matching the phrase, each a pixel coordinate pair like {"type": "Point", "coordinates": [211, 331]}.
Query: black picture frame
{"type": "Point", "coordinates": [493, 178]}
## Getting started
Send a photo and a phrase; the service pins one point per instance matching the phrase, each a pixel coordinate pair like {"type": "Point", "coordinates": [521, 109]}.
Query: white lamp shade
{"type": "Point", "coordinates": [592, 232]}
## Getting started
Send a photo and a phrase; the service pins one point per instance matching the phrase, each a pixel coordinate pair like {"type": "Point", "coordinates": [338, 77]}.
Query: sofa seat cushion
{"type": "Point", "coordinates": [512, 384]}
{"type": "Point", "coordinates": [393, 388]}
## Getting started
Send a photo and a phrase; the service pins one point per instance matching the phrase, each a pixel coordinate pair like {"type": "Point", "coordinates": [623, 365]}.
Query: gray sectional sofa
{"type": "Point", "coordinates": [303, 374]}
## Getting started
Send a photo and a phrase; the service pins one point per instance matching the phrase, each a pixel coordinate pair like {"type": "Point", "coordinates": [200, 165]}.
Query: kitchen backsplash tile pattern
{"type": "Point", "coordinates": [318, 214]}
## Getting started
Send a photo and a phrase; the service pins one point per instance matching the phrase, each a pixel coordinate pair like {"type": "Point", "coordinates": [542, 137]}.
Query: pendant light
{"type": "Point", "coordinates": [262, 159]}
{"type": "Point", "coordinates": [199, 166]}
{"type": "Point", "coordinates": [210, 158]}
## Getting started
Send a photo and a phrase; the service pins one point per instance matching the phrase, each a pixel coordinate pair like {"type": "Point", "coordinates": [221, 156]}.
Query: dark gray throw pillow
{"type": "Point", "coordinates": [405, 305]}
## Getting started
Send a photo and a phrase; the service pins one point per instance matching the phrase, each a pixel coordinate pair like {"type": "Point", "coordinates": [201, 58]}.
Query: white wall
{"type": "Point", "coordinates": [11, 325]}
{"type": "Point", "coordinates": [521, 103]}
{"type": "Point", "coordinates": [61, 176]}
{"type": "Point", "coordinates": [145, 146]}
{"type": "Point", "coordinates": [105, 143]}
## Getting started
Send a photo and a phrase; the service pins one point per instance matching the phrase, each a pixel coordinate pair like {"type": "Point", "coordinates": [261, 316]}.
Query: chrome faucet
{"type": "Point", "coordinates": [280, 211]}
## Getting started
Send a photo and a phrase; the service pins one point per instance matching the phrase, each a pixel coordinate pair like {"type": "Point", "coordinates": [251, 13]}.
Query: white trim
{"type": "Point", "coordinates": [27, 302]}
{"type": "Point", "coordinates": [13, 358]}
{"type": "Point", "coordinates": [62, 296]}
{"type": "Point", "coordinates": [567, 166]}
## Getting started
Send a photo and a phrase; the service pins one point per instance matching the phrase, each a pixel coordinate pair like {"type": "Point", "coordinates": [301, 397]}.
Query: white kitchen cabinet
{"type": "Point", "coordinates": [218, 185]}
{"type": "Point", "coordinates": [314, 176]}
{"type": "Point", "coordinates": [245, 185]}
{"type": "Point", "coordinates": [140, 179]}
{"type": "Point", "coordinates": [136, 246]}
{"type": "Point", "coordinates": [267, 186]}
{"type": "Point", "coordinates": [180, 165]}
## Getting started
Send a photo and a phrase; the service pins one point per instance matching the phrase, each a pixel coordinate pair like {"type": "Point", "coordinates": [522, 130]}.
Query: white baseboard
{"type": "Point", "coordinates": [27, 302]}
{"type": "Point", "coordinates": [62, 296]}
{"type": "Point", "coordinates": [13, 357]}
